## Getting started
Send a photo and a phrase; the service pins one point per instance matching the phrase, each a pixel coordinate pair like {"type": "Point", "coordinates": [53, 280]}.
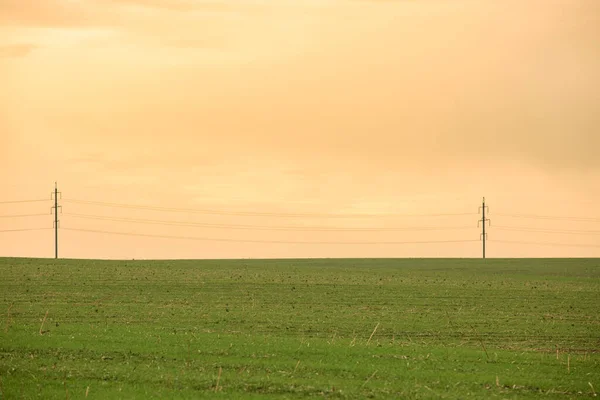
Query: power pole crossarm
{"type": "Point", "coordinates": [483, 221]}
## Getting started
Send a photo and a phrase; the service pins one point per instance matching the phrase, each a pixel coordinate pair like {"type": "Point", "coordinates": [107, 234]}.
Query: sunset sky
{"type": "Point", "coordinates": [363, 119]}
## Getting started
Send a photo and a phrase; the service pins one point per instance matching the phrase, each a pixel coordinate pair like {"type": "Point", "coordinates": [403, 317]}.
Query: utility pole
{"type": "Point", "coordinates": [55, 209]}
{"type": "Point", "coordinates": [483, 220]}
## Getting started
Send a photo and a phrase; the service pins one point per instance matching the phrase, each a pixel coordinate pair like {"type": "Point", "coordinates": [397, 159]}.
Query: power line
{"type": "Point", "coordinates": [558, 231]}
{"type": "Point", "coordinates": [255, 213]}
{"type": "Point", "coordinates": [25, 230]}
{"type": "Point", "coordinates": [547, 243]}
{"type": "Point", "coordinates": [23, 201]}
{"type": "Point", "coordinates": [262, 241]}
{"type": "Point", "coordinates": [261, 227]}
{"type": "Point", "coordinates": [550, 217]}
{"type": "Point", "coordinates": [23, 215]}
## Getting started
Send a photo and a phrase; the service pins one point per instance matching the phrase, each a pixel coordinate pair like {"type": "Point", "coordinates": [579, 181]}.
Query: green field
{"type": "Point", "coordinates": [300, 328]}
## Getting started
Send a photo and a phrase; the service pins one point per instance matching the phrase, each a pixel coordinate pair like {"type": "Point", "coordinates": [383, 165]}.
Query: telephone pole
{"type": "Point", "coordinates": [483, 220]}
{"type": "Point", "coordinates": [55, 209]}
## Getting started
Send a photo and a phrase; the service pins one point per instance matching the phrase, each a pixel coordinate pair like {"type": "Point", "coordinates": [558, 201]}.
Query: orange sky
{"type": "Point", "coordinates": [356, 108]}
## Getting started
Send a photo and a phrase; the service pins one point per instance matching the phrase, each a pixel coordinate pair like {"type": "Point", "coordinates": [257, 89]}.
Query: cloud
{"type": "Point", "coordinates": [17, 50]}
{"type": "Point", "coordinates": [185, 5]}
{"type": "Point", "coordinates": [96, 13]}
{"type": "Point", "coordinates": [55, 14]}
{"type": "Point", "coordinates": [206, 43]}
{"type": "Point", "coordinates": [104, 13]}
{"type": "Point", "coordinates": [460, 86]}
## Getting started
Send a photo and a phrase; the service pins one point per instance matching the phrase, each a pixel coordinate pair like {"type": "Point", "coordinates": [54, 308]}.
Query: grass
{"type": "Point", "coordinates": [300, 328]}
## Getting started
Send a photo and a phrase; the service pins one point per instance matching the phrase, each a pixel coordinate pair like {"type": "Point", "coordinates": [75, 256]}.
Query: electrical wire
{"type": "Point", "coordinates": [557, 231]}
{"type": "Point", "coordinates": [255, 214]}
{"type": "Point", "coordinates": [550, 217]}
{"type": "Point", "coordinates": [545, 243]}
{"type": "Point", "coordinates": [261, 241]}
{"type": "Point", "coordinates": [23, 215]}
{"type": "Point", "coordinates": [25, 230]}
{"type": "Point", "coordinates": [23, 201]}
{"type": "Point", "coordinates": [261, 227]}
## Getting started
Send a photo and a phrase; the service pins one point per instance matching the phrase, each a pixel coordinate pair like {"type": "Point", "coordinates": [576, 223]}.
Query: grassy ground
{"type": "Point", "coordinates": [298, 328]}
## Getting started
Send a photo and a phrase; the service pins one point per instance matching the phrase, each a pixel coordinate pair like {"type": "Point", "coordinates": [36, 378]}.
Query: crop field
{"type": "Point", "coordinates": [369, 328]}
